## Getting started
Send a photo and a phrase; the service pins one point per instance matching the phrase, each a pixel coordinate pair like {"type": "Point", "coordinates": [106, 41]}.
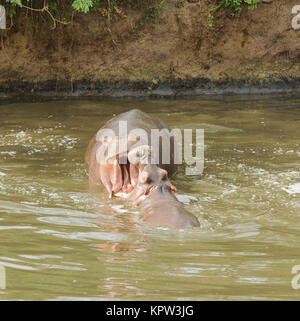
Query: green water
{"type": "Point", "coordinates": [59, 240]}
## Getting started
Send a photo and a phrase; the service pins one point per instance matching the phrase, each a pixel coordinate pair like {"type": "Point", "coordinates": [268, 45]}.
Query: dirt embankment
{"type": "Point", "coordinates": [179, 53]}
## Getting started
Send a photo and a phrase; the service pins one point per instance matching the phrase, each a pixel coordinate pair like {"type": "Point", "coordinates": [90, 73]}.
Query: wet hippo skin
{"type": "Point", "coordinates": [128, 169]}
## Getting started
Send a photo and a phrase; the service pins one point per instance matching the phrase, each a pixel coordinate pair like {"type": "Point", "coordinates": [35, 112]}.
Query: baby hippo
{"type": "Point", "coordinates": [160, 206]}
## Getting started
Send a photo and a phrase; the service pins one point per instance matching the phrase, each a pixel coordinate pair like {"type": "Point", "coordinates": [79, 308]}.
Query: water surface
{"type": "Point", "coordinates": [61, 241]}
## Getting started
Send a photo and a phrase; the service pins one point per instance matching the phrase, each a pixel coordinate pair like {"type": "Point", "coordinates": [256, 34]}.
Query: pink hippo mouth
{"type": "Point", "coordinates": [119, 175]}
{"type": "Point", "coordinates": [119, 172]}
{"type": "Point", "coordinates": [125, 176]}
{"type": "Point", "coordinates": [131, 174]}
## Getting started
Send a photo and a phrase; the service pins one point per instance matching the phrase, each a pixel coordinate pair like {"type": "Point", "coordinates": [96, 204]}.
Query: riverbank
{"type": "Point", "coordinates": [167, 89]}
{"type": "Point", "coordinates": [187, 50]}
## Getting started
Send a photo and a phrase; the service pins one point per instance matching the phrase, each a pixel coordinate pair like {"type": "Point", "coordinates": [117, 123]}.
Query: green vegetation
{"type": "Point", "coordinates": [82, 5]}
{"type": "Point", "coordinates": [236, 5]}
{"type": "Point", "coordinates": [154, 11]}
{"type": "Point", "coordinates": [72, 5]}
{"type": "Point", "coordinates": [64, 8]}
{"type": "Point", "coordinates": [59, 10]}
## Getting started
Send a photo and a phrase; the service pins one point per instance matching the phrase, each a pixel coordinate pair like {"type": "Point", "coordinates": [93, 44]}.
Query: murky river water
{"type": "Point", "coordinates": [58, 240]}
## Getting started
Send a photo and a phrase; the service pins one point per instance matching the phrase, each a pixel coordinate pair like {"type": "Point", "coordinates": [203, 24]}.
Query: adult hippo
{"type": "Point", "coordinates": [123, 158]}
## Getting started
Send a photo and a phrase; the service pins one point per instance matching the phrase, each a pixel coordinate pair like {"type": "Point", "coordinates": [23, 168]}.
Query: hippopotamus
{"type": "Point", "coordinates": [127, 164]}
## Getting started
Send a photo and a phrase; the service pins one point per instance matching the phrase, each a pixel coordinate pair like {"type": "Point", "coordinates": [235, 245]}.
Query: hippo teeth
{"type": "Point", "coordinates": [125, 176]}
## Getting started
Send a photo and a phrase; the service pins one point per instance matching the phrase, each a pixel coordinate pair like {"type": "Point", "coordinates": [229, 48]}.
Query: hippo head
{"type": "Point", "coordinates": [154, 194]}
{"type": "Point", "coordinates": [152, 178]}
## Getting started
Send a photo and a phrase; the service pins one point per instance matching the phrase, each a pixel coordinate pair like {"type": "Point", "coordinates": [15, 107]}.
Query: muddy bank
{"type": "Point", "coordinates": [160, 89]}
{"type": "Point", "coordinates": [186, 51]}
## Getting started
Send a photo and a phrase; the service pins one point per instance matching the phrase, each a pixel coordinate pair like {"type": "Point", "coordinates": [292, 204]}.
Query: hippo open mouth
{"type": "Point", "coordinates": [125, 176]}
{"type": "Point", "coordinates": [118, 177]}
{"type": "Point", "coordinates": [120, 172]}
